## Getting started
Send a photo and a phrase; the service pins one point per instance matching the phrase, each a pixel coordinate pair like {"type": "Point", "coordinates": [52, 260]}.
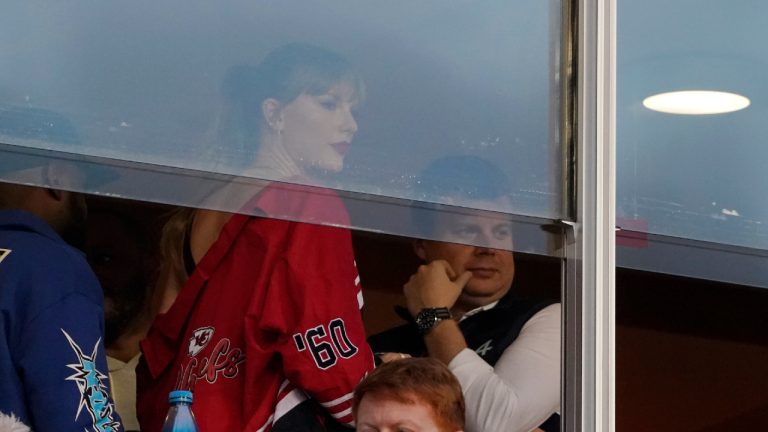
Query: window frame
{"type": "Point", "coordinates": [589, 90]}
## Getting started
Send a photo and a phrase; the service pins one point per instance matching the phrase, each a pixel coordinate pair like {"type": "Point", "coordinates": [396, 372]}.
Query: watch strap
{"type": "Point", "coordinates": [428, 318]}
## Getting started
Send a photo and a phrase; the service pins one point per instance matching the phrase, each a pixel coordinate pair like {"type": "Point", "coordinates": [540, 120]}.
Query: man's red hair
{"type": "Point", "coordinates": [417, 380]}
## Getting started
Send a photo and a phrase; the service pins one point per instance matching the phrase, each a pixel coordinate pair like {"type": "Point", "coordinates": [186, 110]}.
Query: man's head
{"type": "Point", "coordinates": [414, 394]}
{"type": "Point", "coordinates": [64, 211]}
{"type": "Point", "coordinates": [492, 269]}
{"type": "Point", "coordinates": [479, 242]}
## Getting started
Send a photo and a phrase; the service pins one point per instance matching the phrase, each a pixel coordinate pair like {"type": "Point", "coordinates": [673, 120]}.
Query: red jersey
{"type": "Point", "coordinates": [270, 315]}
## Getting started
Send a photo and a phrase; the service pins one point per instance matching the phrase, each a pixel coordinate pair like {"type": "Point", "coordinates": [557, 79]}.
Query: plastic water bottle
{"type": "Point", "coordinates": [180, 417]}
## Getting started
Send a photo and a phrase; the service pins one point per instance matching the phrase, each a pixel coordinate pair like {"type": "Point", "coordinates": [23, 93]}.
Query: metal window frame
{"type": "Point", "coordinates": [589, 88]}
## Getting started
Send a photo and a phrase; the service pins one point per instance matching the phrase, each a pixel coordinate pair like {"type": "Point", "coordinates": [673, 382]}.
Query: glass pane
{"type": "Point", "coordinates": [692, 251]}
{"type": "Point", "coordinates": [693, 176]}
{"type": "Point", "coordinates": [185, 102]}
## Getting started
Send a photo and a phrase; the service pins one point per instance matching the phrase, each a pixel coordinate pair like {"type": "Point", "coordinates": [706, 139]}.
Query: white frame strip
{"type": "Point", "coordinates": [589, 366]}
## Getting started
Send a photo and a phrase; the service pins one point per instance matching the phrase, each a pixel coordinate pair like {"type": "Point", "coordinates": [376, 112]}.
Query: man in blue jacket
{"type": "Point", "coordinates": [53, 372]}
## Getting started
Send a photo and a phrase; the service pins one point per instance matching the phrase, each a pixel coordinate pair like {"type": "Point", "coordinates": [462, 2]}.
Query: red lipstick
{"type": "Point", "coordinates": [341, 147]}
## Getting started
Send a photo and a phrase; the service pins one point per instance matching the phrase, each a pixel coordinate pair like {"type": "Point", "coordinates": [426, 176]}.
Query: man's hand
{"type": "Point", "coordinates": [434, 285]}
{"type": "Point", "coordinates": [392, 356]}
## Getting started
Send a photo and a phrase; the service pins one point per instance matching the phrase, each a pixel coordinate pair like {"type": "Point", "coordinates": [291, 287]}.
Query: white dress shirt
{"type": "Point", "coordinates": [523, 389]}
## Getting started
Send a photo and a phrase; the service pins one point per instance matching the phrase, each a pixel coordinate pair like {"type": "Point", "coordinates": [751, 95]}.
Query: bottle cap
{"type": "Point", "coordinates": [180, 396]}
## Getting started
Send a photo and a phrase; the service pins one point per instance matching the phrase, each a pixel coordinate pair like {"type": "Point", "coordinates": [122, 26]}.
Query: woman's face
{"type": "Point", "coordinates": [317, 130]}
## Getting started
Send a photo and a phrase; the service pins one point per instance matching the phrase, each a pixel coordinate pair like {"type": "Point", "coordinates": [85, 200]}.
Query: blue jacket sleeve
{"type": "Point", "coordinates": [64, 370]}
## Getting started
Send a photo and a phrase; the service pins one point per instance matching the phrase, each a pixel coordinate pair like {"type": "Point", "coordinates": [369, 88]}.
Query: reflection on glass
{"type": "Point", "coordinates": [43, 128]}
{"type": "Point", "coordinates": [696, 177]}
{"type": "Point", "coordinates": [696, 102]}
{"type": "Point", "coordinates": [473, 182]}
{"type": "Point", "coordinates": [172, 96]}
{"type": "Point", "coordinates": [291, 115]}
{"type": "Point", "coordinates": [269, 292]}
{"type": "Point", "coordinates": [288, 119]}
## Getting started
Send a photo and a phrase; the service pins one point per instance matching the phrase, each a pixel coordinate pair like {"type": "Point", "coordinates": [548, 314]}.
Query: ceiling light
{"type": "Point", "coordinates": [696, 102]}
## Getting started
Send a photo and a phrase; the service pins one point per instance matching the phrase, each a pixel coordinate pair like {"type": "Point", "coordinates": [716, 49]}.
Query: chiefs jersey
{"type": "Point", "coordinates": [269, 317]}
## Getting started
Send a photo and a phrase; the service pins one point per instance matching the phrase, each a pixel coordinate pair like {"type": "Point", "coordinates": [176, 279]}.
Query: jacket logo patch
{"type": "Point", "coordinates": [4, 253]}
{"type": "Point", "coordinates": [223, 360]}
{"type": "Point", "coordinates": [483, 349]}
{"type": "Point", "coordinates": [199, 340]}
{"type": "Point", "coordinates": [94, 396]}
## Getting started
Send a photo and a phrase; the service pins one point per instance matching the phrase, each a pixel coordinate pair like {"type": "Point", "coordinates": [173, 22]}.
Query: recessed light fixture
{"type": "Point", "coordinates": [696, 102]}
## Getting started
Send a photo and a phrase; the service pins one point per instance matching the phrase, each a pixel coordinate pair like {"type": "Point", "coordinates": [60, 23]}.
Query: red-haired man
{"type": "Point", "coordinates": [414, 394]}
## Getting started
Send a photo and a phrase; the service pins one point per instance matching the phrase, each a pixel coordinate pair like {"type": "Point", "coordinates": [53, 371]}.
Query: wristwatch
{"type": "Point", "coordinates": [427, 318]}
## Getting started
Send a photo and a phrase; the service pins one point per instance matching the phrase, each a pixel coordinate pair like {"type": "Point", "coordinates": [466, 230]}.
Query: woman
{"type": "Point", "coordinates": [269, 309]}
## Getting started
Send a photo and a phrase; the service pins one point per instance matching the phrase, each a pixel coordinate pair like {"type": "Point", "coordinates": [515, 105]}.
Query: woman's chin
{"type": "Point", "coordinates": [333, 166]}
{"type": "Point", "coordinates": [325, 169]}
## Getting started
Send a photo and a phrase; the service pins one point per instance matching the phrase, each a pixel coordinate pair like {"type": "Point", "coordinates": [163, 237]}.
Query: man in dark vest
{"type": "Point", "coordinates": [504, 350]}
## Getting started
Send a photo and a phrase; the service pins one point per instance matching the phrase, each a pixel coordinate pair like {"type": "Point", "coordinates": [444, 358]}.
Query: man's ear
{"type": "Point", "coordinates": [273, 116]}
{"type": "Point", "coordinates": [419, 249]}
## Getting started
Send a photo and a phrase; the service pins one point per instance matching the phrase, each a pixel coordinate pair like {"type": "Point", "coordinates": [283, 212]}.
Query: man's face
{"type": "Point", "coordinates": [492, 265]}
{"type": "Point", "coordinates": [72, 222]}
{"type": "Point", "coordinates": [377, 414]}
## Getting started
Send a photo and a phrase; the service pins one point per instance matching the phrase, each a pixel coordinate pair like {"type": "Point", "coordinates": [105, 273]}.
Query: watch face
{"type": "Point", "coordinates": [426, 319]}
{"type": "Point", "coordinates": [429, 317]}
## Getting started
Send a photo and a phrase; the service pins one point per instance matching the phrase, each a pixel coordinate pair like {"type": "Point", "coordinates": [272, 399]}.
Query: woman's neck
{"type": "Point", "coordinates": [273, 162]}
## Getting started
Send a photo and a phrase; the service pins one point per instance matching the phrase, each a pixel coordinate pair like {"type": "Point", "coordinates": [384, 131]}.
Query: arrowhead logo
{"type": "Point", "coordinates": [4, 253]}
{"type": "Point", "coordinates": [199, 340]}
{"type": "Point", "coordinates": [483, 349]}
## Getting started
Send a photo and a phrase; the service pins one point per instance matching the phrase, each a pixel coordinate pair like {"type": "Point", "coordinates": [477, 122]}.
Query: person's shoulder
{"type": "Point", "coordinates": [55, 254]}
{"type": "Point", "coordinates": [302, 202]}
{"type": "Point", "coordinates": [45, 261]}
{"type": "Point", "coordinates": [29, 245]}
{"type": "Point", "coordinates": [301, 235]}
{"type": "Point", "coordinates": [513, 307]}
{"type": "Point", "coordinates": [549, 316]}
{"type": "Point", "coordinates": [40, 272]}
{"type": "Point", "coordinates": [553, 310]}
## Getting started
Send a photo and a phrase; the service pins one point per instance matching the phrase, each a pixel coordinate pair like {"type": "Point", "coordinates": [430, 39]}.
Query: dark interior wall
{"type": "Point", "coordinates": [691, 355]}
